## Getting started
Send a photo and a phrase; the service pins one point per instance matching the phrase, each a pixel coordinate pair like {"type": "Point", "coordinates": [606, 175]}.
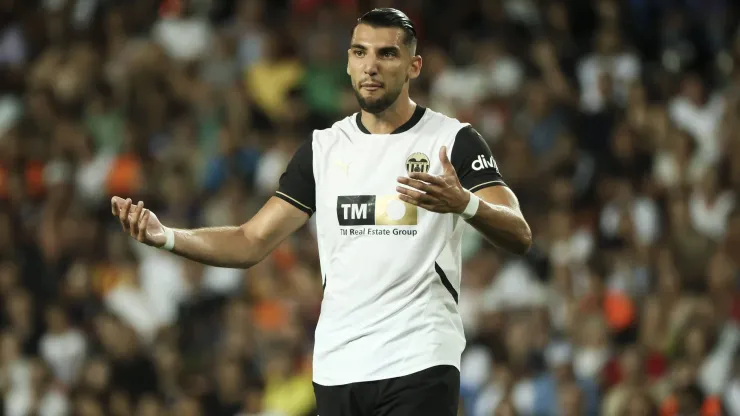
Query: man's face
{"type": "Point", "coordinates": [380, 65]}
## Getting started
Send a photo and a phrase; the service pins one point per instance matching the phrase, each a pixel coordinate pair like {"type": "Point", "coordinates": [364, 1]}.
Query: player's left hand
{"type": "Point", "coordinates": [442, 194]}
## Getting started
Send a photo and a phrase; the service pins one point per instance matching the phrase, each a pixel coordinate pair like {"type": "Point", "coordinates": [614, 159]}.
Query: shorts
{"type": "Point", "coordinates": [431, 392]}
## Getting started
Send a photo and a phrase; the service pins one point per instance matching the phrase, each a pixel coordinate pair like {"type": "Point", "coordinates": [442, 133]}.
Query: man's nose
{"type": "Point", "coordinates": [371, 67]}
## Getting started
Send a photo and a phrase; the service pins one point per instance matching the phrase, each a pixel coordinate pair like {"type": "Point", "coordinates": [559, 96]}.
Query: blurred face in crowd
{"type": "Point", "coordinates": [623, 193]}
{"type": "Point", "coordinates": [253, 400]}
{"type": "Point", "coordinates": [229, 377]}
{"type": "Point", "coordinates": [56, 320]}
{"type": "Point", "coordinates": [236, 314]}
{"type": "Point", "coordinates": [19, 307]}
{"type": "Point", "coordinates": [187, 406]}
{"type": "Point", "coordinates": [503, 377]}
{"type": "Point", "coordinates": [593, 333]}
{"type": "Point", "coordinates": [560, 224]}
{"type": "Point", "coordinates": [571, 402]}
{"type": "Point", "coordinates": [435, 62]}
{"type": "Point", "coordinates": [537, 100]}
{"type": "Point", "coordinates": [721, 274]}
{"type": "Point", "coordinates": [235, 344]}
{"type": "Point", "coordinates": [8, 276]}
{"type": "Point", "coordinates": [120, 404]}
{"type": "Point", "coordinates": [380, 65]}
{"type": "Point", "coordinates": [519, 341]}
{"type": "Point", "coordinates": [505, 408]}
{"type": "Point", "coordinates": [623, 143]}
{"type": "Point", "coordinates": [88, 406]}
{"type": "Point", "coordinates": [608, 41]}
{"type": "Point", "coordinates": [9, 348]}
{"type": "Point", "coordinates": [606, 85]}
{"type": "Point", "coordinates": [679, 214]}
{"type": "Point", "coordinates": [557, 16]}
{"type": "Point", "coordinates": [689, 402]}
{"type": "Point", "coordinates": [96, 375]}
{"type": "Point", "coordinates": [709, 182]}
{"type": "Point", "coordinates": [167, 361]}
{"type": "Point", "coordinates": [695, 343]}
{"type": "Point", "coordinates": [149, 406]}
{"type": "Point", "coordinates": [658, 122]}
{"type": "Point", "coordinates": [279, 365]}
{"type": "Point", "coordinates": [638, 405]}
{"type": "Point", "coordinates": [562, 192]}
{"type": "Point", "coordinates": [250, 11]}
{"type": "Point", "coordinates": [693, 89]}
{"type": "Point", "coordinates": [631, 364]}
{"type": "Point", "coordinates": [39, 374]}
{"type": "Point", "coordinates": [683, 373]}
{"type": "Point", "coordinates": [118, 340]}
{"type": "Point", "coordinates": [669, 283]}
{"type": "Point", "coordinates": [76, 285]}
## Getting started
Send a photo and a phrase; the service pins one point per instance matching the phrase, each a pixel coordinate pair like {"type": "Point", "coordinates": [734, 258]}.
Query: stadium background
{"type": "Point", "coordinates": [615, 122]}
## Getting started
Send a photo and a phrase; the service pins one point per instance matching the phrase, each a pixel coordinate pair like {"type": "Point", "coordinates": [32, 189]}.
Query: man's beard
{"type": "Point", "coordinates": [377, 105]}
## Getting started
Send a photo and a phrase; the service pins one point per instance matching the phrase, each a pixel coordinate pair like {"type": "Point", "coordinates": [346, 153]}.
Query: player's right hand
{"type": "Point", "coordinates": [139, 222]}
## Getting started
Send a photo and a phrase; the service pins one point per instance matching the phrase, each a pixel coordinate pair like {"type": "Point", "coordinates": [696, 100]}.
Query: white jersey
{"type": "Point", "coordinates": [390, 270]}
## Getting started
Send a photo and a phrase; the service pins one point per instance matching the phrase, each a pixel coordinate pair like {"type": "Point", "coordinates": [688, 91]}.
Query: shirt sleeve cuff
{"type": "Point", "coordinates": [296, 203]}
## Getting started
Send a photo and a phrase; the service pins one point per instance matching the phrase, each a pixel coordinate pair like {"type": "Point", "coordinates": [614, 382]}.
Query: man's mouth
{"type": "Point", "coordinates": [371, 86]}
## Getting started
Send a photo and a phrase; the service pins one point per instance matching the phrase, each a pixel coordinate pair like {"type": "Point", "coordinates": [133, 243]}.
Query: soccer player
{"type": "Point", "coordinates": [391, 187]}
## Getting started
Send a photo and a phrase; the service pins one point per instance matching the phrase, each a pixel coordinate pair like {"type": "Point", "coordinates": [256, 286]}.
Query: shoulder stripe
{"type": "Point", "coordinates": [486, 185]}
{"type": "Point", "coordinates": [298, 204]}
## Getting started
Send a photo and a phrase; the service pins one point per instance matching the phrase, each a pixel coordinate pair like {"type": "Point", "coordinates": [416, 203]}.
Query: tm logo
{"type": "Point", "coordinates": [374, 210]}
{"type": "Point", "coordinates": [482, 163]}
{"type": "Point", "coordinates": [355, 211]}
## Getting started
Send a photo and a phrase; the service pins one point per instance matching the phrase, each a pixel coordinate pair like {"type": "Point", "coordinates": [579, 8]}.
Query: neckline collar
{"type": "Point", "coordinates": [413, 121]}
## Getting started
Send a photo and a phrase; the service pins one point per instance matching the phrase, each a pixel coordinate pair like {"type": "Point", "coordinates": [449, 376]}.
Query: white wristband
{"type": "Point", "coordinates": [472, 207]}
{"type": "Point", "coordinates": [170, 243]}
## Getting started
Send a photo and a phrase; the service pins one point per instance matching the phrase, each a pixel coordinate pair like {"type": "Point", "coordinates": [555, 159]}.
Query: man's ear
{"type": "Point", "coordinates": [415, 67]}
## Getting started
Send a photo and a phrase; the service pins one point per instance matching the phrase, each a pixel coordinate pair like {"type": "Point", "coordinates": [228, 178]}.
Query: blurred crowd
{"type": "Point", "coordinates": [616, 122]}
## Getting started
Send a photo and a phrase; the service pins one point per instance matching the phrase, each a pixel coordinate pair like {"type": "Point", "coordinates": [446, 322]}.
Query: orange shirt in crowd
{"type": "Point", "coordinates": [711, 407]}
{"type": "Point", "coordinates": [33, 178]}
{"type": "Point", "coordinates": [124, 174]}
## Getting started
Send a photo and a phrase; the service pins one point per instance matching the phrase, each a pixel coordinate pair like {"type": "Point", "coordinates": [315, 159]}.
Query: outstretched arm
{"type": "Point", "coordinates": [238, 246]}
{"type": "Point", "coordinates": [235, 247]}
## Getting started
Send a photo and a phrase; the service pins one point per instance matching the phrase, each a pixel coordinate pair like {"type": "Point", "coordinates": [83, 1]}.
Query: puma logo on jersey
{"type": "Point", "coordinates": [344, 167]}
{"type": "Point", "coordinates": [482, 163]}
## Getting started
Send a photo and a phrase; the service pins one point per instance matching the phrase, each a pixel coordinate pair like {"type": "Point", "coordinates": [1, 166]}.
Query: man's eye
{"type": "Point", "coordinates": [360, 53]}
{"type": "Point", "coordinates": [389, 54]}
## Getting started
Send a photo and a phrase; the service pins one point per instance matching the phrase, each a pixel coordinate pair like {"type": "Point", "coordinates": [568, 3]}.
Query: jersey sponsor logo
{"type": "Point", "coordinates": [375, 210]}
{"type": "Point", "coordinates": [481, 163]}
{"type": "Point", "coordinates": [417, 162]}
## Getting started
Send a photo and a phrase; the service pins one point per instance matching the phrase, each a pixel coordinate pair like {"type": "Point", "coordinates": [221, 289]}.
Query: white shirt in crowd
{"type": "Point", "coordinates": [184, 39]}
{"type": "Point", "coordinates": [623, 68]}
{"type": "Point", "coordinates": [645, 217]}
{"type": "Point", "coordinates": [703, 123]}
{"type": "Point", "coordinates": [65, 354]}
{"type": "Point", "coordinates": [710, 219]}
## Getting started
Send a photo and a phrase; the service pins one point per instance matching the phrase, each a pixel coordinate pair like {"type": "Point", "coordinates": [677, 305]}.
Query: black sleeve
{"type": "Point", "coordinates": [297, 185]}
{"type": "Point", "coordinates": [473, 161]}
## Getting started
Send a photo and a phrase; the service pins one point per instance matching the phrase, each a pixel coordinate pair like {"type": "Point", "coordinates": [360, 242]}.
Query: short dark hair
{"type": "Point", "coordinates": [389, 17]}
